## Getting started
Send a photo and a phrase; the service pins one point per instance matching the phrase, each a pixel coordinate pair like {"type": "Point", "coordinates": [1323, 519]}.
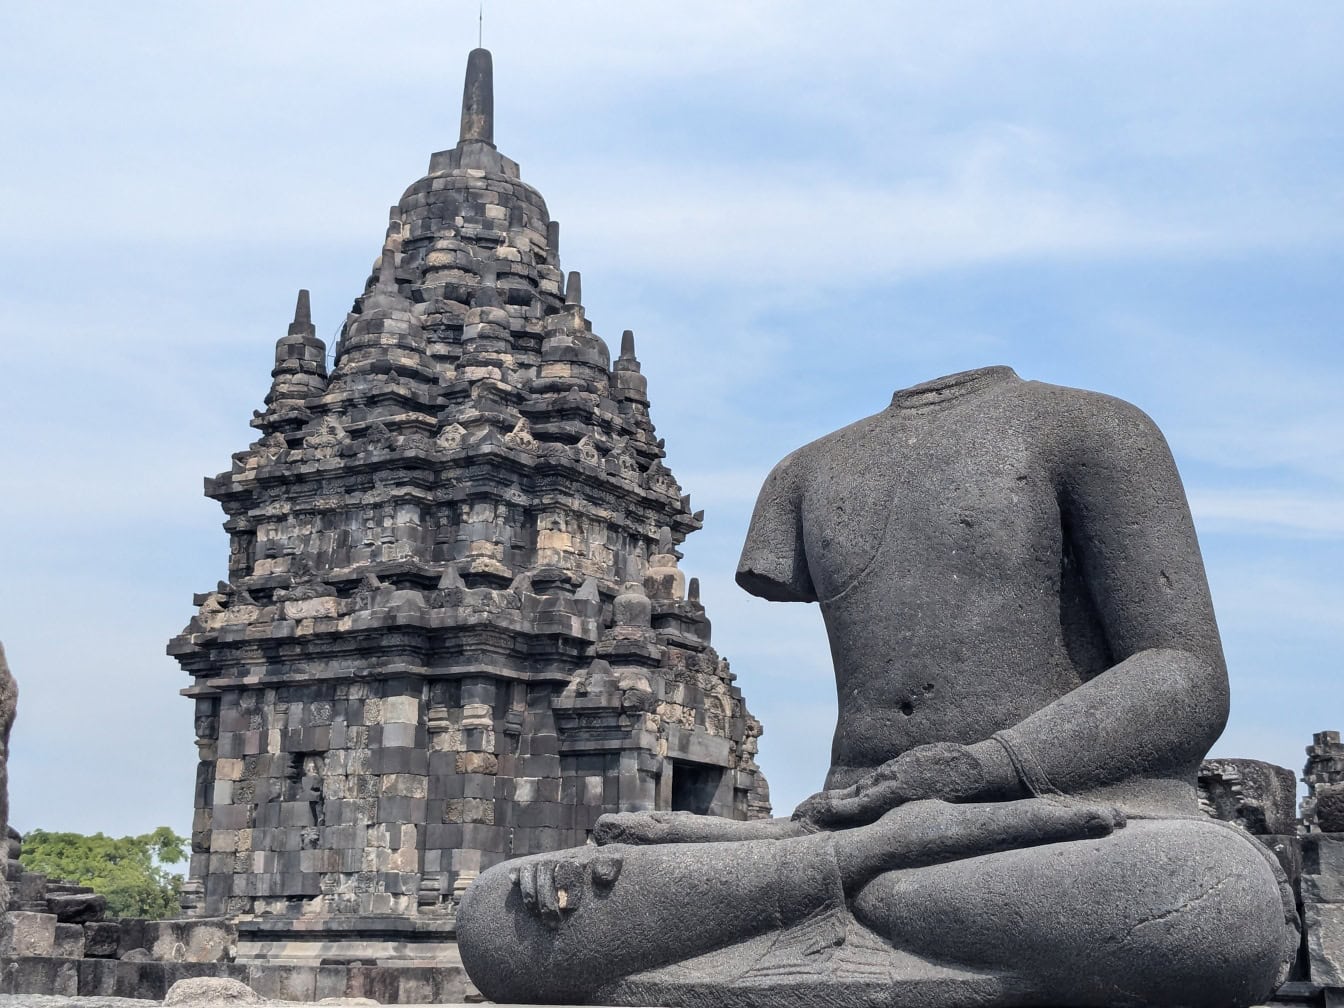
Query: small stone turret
{"type": "Point", "coordinates": [573, 358]}
{"type": "Point", "coordinates": [382, 334]}
{"type": "Point", "coordinates": [664, 579]}
{"type": "Point", "coordinates": [300, 371]}
{"type": "Point", "coordinates": [627, 384]}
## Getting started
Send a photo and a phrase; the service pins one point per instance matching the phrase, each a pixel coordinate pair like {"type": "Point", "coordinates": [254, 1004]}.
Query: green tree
{"type": "Point", "coordinates": [127, 870]}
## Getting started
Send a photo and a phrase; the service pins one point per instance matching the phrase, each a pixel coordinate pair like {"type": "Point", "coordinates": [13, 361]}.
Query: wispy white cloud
{"type": "Point", "coordinates": [1270, 511]}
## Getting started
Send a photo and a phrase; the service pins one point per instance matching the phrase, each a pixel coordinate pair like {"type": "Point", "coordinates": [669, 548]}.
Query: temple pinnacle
{"type": "Point", "coordinates": [478, 99]}
{"type": "Point", "coordinates": [387, 270]}
{"type": "Point", "coordinates": [303, 316]}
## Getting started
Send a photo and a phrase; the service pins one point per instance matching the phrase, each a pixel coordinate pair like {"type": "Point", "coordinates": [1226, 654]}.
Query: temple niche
{"type": "Point", "coordinates": [454, 628]}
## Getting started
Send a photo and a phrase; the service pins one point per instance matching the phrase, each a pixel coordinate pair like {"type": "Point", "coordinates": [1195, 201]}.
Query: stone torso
{"type": "Point", "coordinates": [936, 544]}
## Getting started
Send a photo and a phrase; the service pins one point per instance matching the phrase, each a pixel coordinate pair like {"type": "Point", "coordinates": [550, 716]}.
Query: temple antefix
{"type": "Point", "coordinates": [454, 629]}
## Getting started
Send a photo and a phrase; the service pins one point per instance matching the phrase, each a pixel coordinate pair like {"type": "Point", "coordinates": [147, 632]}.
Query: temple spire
{"type": "Point", "coordinates": [303, 317]}
{"type": "Point", "coordinates": [478, 99]}
{"type": "Point", "coordinates": [387, 270]}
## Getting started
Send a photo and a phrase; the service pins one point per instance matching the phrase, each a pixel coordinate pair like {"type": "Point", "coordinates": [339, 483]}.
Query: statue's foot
{"type": "Point", "coordinates": [932, 832]}
{"type": "Point", "coordinates": [553, 886]}
{"type": "Point", "coordinates": [643, 828]}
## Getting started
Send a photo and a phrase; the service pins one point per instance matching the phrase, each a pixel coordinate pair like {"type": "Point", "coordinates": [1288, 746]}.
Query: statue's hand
{"type": "Point", "coordinates": [944, 770]}
{"type": "Point", "coordinates": [553, 886]}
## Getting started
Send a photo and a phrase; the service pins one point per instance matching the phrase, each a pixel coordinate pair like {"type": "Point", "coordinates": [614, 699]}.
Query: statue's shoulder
{"type": "Point", "coordinates": [1086, 425]}
{"type": "Point", "coordinates": [1083, 417]}
{"type": "Point", "coordinates": [800, 462]}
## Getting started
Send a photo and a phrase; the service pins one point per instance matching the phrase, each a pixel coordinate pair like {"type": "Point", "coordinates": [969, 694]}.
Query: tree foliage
{"type": "Point", "coordinates": [127, 870]}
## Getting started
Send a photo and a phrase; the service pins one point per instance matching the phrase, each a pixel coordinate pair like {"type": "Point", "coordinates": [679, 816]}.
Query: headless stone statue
{"type": "Point", "coordinates": [1029, 673]}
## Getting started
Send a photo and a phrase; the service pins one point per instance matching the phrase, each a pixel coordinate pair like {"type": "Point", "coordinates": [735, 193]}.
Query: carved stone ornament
{"type": "Point", "coordinates": [328, 439]}
{"type": "Point", "coordinates": [452, 436]}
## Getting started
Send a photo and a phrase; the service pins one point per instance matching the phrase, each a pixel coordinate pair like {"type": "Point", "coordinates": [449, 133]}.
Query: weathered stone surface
{"type": "Point", "coordinates": [1322, 888]}
{"type": "Point", "coordinates": [1322, 868]}
{"type": "Point", "coordinates": [199, 940]}
{"type": "Point", "coordinates": [210, 991]}
{"type": "Point", "coordinates": [131, 934]}
{"type": "Point", "coordinates": [30, 893]}
{"type": "Point", "coordinates": [24, 933]}
{"type": "Point", "coordinates": [1029, 674]}
{"type": "Point", "coordinates": [1324, 777]}
{"type": "Point", "coordinates": [76, 908]}
{"type": "Point", "coordinates": [1259, 797]}
{"type": "Point", "coordinates": [1287, 850]}
{"type": "Point", "coordinates": [69, 942]}
{"type": "Point", "coordinates": [147, 980]}
{"type": "Point", "coordinates": [1323, 854]}
{"type": "Point", "coordinates": [1325, 942]}
{"type": "Point", "coordinates": [417, 667]}
{"type": "Point", "coordinates": [102, 939]}
{"type": "Point", "coordinates": [1330, 808]}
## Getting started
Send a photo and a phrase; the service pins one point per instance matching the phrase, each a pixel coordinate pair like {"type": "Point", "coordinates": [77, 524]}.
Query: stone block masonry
{"type": "Point", "coordinates": [1322, 885]}
{"type": "Point", "coordinates": [454, 628]}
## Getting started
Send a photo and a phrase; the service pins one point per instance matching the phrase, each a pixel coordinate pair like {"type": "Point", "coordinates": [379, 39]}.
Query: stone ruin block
{"type": "Point", "coordinates": [130, 934]}
{"type": "Point", "coordinates": [102, 939]}
{"type": "Point", "coordinates": [1323, 868]}
{"type": "Point", "coordinates": [31, 893]}
{"type": "Point", "coordinates": [25, 933]}
{"type": "Point", "coordinates": [1324, 924]}
{"type": "Point", "coordinates": [201, 940]}
{"type": "Point", "coordinates": [1259, 797]}
{"type": "Point", "coordinates": [1330, 808]}
{"type": "Point", "coordinates": [69, 941]}
{"type": "Point", "coordinates": [76, 907]}
{"type": "Point", "coordinates": [46, 975]}
{"type": "Point", "coordinates": [1323, 808]}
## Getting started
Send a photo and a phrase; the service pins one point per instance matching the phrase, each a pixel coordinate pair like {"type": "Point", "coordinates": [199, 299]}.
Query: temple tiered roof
{"type": "Point", "coordinates": [454, 627]}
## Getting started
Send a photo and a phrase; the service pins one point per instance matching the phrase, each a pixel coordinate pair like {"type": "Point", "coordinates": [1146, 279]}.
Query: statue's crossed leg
{"type": "Point", "coordinates": [1042, 895]}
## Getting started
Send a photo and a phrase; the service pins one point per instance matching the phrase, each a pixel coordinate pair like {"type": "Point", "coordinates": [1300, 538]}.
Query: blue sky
{"type": "Point", "coordinates": [797, 207]}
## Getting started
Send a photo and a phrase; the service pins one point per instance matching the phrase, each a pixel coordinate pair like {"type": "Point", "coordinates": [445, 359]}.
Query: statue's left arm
{"type": "Point", "coordinates": [1162, 702]}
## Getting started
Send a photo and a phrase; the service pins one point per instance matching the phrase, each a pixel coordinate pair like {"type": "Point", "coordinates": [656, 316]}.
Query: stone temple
{"type": "Point", "coordinates": [454, 628]}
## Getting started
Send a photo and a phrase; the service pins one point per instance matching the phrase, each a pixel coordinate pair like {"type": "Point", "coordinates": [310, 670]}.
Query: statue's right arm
{"type": "Point", "coordinates": [773, 565]}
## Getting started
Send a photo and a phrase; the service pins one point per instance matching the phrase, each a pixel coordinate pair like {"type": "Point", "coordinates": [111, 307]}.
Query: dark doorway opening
{"type": "Point", "coordinates": [694, 786]}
